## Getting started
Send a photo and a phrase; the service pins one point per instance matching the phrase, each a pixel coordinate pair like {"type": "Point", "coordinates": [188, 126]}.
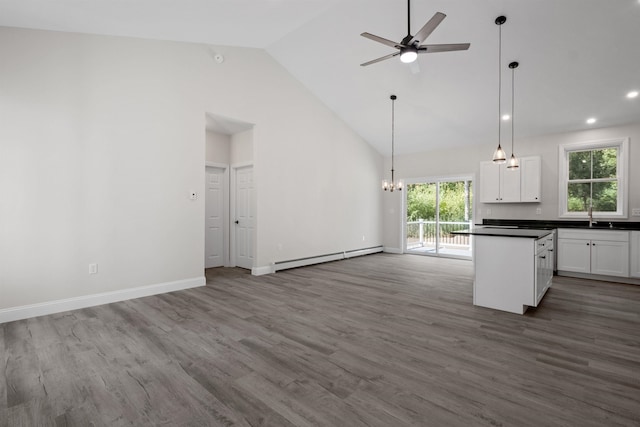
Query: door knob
{"type": "Point", "coordinates": [237, 222]}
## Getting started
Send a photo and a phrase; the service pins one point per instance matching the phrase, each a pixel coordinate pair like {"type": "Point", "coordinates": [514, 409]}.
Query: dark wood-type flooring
{"type": "Point", "coordinates": [380, 340]}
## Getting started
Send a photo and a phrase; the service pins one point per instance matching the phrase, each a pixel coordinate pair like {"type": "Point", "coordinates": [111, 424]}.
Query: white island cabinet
{"type": "Point", "coordinates": [513, 267]}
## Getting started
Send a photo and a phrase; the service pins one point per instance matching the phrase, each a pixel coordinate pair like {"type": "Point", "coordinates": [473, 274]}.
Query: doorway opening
{"type": "Point", "coordinates": [229, 192]}
{"type": "Point", "coordinates": [434, 208]}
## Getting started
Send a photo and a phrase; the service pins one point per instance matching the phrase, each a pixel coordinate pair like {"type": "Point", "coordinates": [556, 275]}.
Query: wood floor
{"type": "Point", "coordinates": [381, 340]}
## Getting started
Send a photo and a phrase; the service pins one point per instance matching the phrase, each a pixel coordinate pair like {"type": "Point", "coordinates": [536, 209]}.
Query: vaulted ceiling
{"type": "Point", "coordinates": [578, 58]}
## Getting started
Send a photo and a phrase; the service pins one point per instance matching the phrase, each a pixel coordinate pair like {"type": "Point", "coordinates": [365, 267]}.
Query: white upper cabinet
{"type": "Point", "coordinates": [489, 182]}
{"type": "Point", "coordinates": [501, 185]}
{"type": "Point", "coordinates": [530, 179]}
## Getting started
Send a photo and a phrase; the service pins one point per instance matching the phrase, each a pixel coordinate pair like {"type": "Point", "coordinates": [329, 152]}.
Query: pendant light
{"type": "Point", "coordinates": [393, 185]}
{"type": "Point", "coordinates": [499, 156]}
{"type": "Point", "coordinates": [513, 161]}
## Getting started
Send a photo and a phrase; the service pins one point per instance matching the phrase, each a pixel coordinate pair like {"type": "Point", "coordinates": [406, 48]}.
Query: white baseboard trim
{"type": "Point", "coordinates": [302, 262]}
{"type": "Point", "coordinates": [361, 252]}
{"type": "Point", "coordinates": [615, 279]}
{"type": "Point", "coordinates": [392, 250]}
{"type": "Point", "coordinates": [261, 271]}
{"type": "Point", "coordinates": [58, 306]}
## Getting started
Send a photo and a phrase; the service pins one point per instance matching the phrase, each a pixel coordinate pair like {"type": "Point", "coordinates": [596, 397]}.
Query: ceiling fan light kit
{"type": "Point", "coordinates": [410, 46]}
{"type": "Point", "coordinates": [408, 55]}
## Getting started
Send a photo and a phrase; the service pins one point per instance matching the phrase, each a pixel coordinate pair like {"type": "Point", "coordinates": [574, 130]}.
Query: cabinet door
{"type": "Point", "coordinates": [544, 273]}
{"type": "Point", "coordinates": [635, 254]}
{"type": "Point", "coordinates": [530, 179]}
{"type": "Point", "coordinates": [489, 182]}
{"type": "Point", "coordinates": [509, 185]}
{"type": "Point", "coordinates": [610, 258]}
{"type": "Point", "coordinates": [574, 255]}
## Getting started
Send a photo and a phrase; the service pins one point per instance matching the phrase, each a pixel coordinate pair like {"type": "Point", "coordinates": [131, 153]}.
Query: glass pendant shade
{"type": "Point", "coordinates": [499, 156]}
{"type": "Point", "coordinates": [513, 162]}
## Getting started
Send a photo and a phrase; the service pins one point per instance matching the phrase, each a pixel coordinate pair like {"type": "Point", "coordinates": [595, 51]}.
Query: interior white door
{"type": "Point", "coordinates": [245, 217]}
{"type": "Point", "coordinates": [214, 217]}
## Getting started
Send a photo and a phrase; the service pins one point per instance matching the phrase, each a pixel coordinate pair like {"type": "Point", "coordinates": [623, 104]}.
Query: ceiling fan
{"type": "Point", "coordinates": [410, 46]}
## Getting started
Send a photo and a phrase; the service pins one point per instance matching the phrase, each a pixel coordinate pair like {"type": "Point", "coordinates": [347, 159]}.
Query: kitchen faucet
{"type": "Point", "coordinates": [591, 221]}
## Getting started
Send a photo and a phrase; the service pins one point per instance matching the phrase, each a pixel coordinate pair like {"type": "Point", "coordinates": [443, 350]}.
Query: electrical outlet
{"type": "Point", "coordinates": [93, 268]}
{"type": "Point", "coordinates": [635, 212]}
{"type": "Point", "coordinates": [488, 212]}
{"type": "Point", "coordinates": [363, 238]}
{"type": "Point", "coordinates": [538, 211]}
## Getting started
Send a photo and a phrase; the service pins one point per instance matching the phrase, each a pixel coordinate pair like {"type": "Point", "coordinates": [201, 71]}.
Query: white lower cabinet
{"type": "Point", "coordinates": [574, 255]}
{"type": "Point", "coordinates": [602, 252]}
{"type": "Point", "coordinates": [635, 254]}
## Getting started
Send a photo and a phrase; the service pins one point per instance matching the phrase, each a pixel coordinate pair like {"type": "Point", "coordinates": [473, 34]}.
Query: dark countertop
{"type": "Point", "coordinates": [532, 233]}
{"type": "Point", "coordinates": [602, 224]}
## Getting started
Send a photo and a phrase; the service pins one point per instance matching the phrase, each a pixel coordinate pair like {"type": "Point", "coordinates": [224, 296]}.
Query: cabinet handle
{"type": "Point", "coordinates": [543, 256]}
{"type": "Point", "coordinates": [588, 244]}
{"type": "Point", "coordinates": [550, 250]}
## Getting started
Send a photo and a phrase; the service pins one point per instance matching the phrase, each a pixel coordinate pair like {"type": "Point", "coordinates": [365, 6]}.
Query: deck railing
{"type": "Point", "coordinates": [422, 233]}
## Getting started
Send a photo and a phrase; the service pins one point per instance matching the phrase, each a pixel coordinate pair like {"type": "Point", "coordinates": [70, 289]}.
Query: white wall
{"type": "Point", "coordinates": [242, 147]}
{"type": "Point", "coordinates": [467, 161]}
{"type": "Point", "coordinates": [102, 140]}
{"type": "Point", "coordinates": [218, 148]}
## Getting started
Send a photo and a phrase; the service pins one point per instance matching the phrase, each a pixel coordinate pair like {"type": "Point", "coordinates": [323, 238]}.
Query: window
{"type": "Point", "coordinates": [593, 175]}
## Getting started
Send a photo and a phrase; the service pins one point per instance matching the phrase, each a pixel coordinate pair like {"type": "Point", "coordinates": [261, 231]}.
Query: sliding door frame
{"type": "Point", "coordinates": [437, 180]}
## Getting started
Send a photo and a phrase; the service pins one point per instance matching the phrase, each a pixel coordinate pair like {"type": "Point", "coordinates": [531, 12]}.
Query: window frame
{"type": "Point", "coordinates": [622, 145]}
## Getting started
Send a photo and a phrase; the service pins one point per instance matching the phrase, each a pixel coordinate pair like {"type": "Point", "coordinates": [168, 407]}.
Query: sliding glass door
{"type": "Point", "coordinates": [434, 209]}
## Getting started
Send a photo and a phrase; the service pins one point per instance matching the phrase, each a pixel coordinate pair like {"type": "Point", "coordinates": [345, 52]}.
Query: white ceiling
{"type": "Point", "coordinates": [578, 58]}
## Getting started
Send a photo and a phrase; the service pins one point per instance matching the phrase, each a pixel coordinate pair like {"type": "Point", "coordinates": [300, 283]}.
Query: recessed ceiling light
{"type": "Point", "coordinates": [632, 94]}
{"type": "Point", "coordinates": [506, 117]}
{"type": "Point", "coordinates": [591, 121]}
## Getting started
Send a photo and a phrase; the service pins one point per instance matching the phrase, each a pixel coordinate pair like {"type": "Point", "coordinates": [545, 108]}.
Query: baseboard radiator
{"type": "Point", "coordinates": [301, 262]}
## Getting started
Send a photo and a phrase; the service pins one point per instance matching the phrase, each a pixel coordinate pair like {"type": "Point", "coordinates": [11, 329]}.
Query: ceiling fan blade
{"type": "Point", "coordinates": [380, 59]}
{"type": "Point", "coordinates": [434, 48]}
{"type": "Point", "coordinates": [381, 40]}
{"type": "Point", "coordinates": [428, 28]}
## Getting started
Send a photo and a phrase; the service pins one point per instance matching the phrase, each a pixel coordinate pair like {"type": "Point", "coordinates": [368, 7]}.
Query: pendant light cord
{"type": "Point", "coordinates": [393, 131]}
{"type": "Point", "coordinates": [499, 82]}
{"type": "Point", "coordinates": [513, 72]}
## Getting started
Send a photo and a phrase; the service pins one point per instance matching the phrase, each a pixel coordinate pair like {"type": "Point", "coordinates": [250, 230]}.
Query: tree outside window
{"type": "Point", "coordinates": [593, 175]}
{"type": "Point", "coordinates": [593, 180]}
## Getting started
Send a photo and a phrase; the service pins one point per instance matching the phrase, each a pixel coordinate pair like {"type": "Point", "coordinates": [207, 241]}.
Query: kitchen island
{"type": "Point", "coordinates": [513, 266]}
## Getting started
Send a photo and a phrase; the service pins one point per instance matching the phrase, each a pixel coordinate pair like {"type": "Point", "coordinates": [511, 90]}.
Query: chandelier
{"type": "Point", "coordinates": [393, 185]}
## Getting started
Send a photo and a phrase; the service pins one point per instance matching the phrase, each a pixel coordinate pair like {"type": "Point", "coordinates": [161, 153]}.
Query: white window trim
{"type": "Point", "coordinates": [563, 175]}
